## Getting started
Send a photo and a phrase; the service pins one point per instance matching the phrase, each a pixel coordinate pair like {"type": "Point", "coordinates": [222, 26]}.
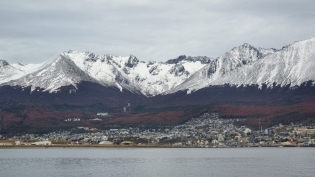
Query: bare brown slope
{"type": "Point", "coordinates": [68, 98]}
{"type": "Point", "coordinates": [241, 95]}
{"type": "Point", "coordinates": [42, 112]}
{"type": "Point", "coordinates": [41, 120]}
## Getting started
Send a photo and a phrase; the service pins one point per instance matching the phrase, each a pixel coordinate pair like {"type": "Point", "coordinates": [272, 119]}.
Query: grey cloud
{"type": "Point", "coordinates": [33, 31]}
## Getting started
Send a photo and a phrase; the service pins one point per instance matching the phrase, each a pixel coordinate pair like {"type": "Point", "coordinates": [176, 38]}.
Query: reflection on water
{"type": "Point", "coordinates": [140, 162]}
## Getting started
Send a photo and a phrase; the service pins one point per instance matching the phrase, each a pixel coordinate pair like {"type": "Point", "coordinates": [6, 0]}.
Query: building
{"type": "Point", "coordinates": [126, 142]}
{"type": "Point", "coordinates": [247, 130]}
{"type": "Point", "coordinates": [5, 144]}
{"type": "Point", "coordinates": [42, 143]}
{"type": "Point", "coordinates": [95, 119]}
{"type": "Point", "coordinates": [220, 137]}
{"type": "Point", "coordinates": [102, 113]}
{"type": "Point", "coordinates": [106, 143]}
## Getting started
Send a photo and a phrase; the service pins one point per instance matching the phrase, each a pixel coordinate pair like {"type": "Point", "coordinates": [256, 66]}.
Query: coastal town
{"type": "Point", "coordinates": [207, 130]}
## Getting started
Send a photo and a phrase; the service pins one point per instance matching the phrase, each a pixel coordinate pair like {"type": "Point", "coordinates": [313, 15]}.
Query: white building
{"type": "Point", "coordinates": [247, 130]}
{"type": "Point", "coordinates": [106, 142]}
{"type": "Point", "coordinates": [42, 143]}
{"type": "Point", "coordinates": [5, 144]}
{"type": "Point", "coordinates": [102, 113]}
{"type": "Point", "coordinates": [220, 137]}
{"type": "Point", "coordinates": [95, 119]}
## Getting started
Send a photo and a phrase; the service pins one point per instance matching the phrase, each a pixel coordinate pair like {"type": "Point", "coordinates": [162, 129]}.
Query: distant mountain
{"type": "Point", "coordinates": [272, 84]}
{"type": "Point", "coordinates": [71, 68]}
{"type": "Point", "coordinates": [8, 72]}
{"type": "Point", "coordinates": [246, 65]}
{"type": "Point", "coordinates": [243, 65]}
{"type": "Point", "coordinates": [53, 74]}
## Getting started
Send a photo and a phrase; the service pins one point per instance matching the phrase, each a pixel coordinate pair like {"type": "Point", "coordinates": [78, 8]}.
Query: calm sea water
{"type": "Point", "coordinates": [142, 162]}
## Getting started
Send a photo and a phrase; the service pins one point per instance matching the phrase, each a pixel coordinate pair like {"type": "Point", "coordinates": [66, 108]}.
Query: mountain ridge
{"type": "Point", "coordinates": [241, 65]}
{"type": "Point", "coordinates": [232, 68]}
{"type": "Point", "coordinates": [273, 85]}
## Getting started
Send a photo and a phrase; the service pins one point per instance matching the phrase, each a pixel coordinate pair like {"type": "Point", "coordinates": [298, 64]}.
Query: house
{"type": "Point", "coordinates": [106, 143]}
{"type": "Point", "coordinates": [247, 130]}
{"type": "Point", "coordinates": [42, 143]}
{"type": "Point", "coordinates": [178, 144]}
{"type": "Point", "coordinates": [220, 137]}
{"type": "Point", "coordinates": [95, 119]}
{"type": "Point", "coordinates": [102, 113]}
{"type": "Point", "coordinates": [126, 142]}
{"type": "Point", "coordinates": [5, 144]}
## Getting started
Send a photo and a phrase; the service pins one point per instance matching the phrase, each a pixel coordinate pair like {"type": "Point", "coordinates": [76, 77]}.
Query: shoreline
{"type": "Point", "coordinates": [125, 146]}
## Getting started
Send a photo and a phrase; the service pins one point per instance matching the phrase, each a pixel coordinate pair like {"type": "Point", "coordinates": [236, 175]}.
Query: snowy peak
{"type": "Point", "coordinates": [292, 65]}
{"type": "Point", "coordinates": [305, 47]}
{"type": "Point", "coordinates": [129, 61]}
{"type": "Point", "coordinates": [178, 70]}
{"type": "Point", "coordinates": [8, 72]}
{"type": "Point", "coordinates": [181, 58]}
{"type": "Point", "coordinates": [245, 65]}
{"type": "Point", "coordinates": [266, 51]}
{"type": "Point", "coordinates": [176, 60]}
{"type": "Point", "coordinates": [148, 78]}
{"type": "Point", "coordinates": [53, 74]}
{"type": "Point", "coordinates": [3, 63]}
{"type": "Point", "coordinates": [132, 61]}
{"type": "Point", "coordinates": [237, 57]}
{"type": "Point", "coordinates": [299, 44]}
{"type": "Point", "coordinates": [244, 53]}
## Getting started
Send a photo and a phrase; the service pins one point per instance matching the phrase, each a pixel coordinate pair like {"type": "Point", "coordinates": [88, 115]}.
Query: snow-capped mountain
{"type": "Point", "coordinates": [292, 65]}
{"type": "Point", "coordinates": [72, 67]}
{"type": "Point", "coordinates": [148, 78]}
{"type": "Point", "coordinates": [243, 65]}
{"type": "Point", "coordinates": [274, 85]}
{"type": "Point", "coordinates": [8, 72]}
{"type": "Point", "coordinates": [53, 74]}
{"type": "Point", "coordinates": [246, 65]}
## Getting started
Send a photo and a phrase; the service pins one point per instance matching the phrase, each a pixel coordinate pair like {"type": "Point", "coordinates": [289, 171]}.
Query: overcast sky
{"type": "Point", "coordinates": [33, 31]}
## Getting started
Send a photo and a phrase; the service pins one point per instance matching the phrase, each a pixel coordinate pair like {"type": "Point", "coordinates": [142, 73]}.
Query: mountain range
{"type": "Point", "coordinates": [245, 75]}
{"type": "Point", "coordinates": [243, 65]}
